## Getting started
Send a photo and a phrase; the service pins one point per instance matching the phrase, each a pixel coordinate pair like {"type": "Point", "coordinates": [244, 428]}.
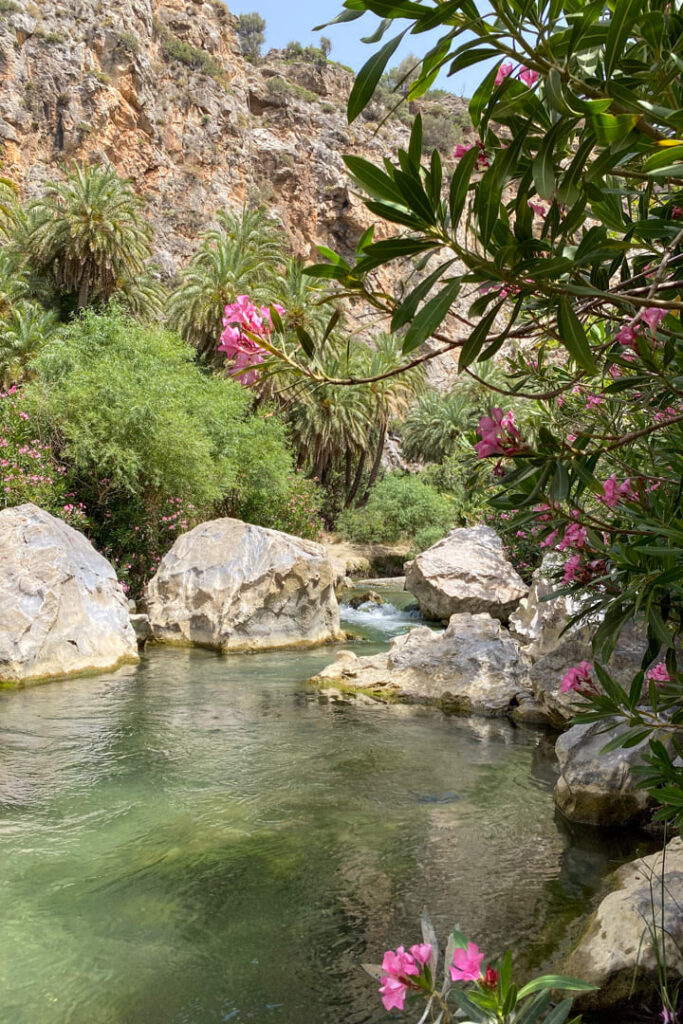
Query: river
{"type": "Point", "coordinates": [206, 839]}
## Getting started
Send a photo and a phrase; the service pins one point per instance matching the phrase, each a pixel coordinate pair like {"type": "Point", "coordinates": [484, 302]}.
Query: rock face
{"type": "Point", "coordinates": [160, 89]}
{"type": "Point", "coordinates": [616, 953]}
{"type": "Point", "coordinates": [473, 667]}
{"type": "Point", "coordinates": [62, 610]}
{"type": "Point", "coordinates": [467, 571]}
{"type": "Point", "coordinates": [537, 622]}
{"type": "Point", "coordinates": [236, 587]}
{"type": "Point", "coordinates": [596, 788]}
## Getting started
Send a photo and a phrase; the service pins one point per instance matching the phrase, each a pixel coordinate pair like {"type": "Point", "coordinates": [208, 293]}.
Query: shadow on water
{"type": "Point", "coordinates": [204, 839]}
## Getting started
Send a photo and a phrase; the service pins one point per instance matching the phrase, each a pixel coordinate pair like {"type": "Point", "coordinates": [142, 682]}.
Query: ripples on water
{"type": "Point", "coordinates": [203, 839]}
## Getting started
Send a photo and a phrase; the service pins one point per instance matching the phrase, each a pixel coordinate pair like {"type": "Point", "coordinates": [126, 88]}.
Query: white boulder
{"type": "Point", "coordinates": [467, 571]}
{"type": "Point", "coordinates": [62, 609]}
{"type": "Point", "coordinates": [237, 587]}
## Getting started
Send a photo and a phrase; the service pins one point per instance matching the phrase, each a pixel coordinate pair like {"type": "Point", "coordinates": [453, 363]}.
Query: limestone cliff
{"type": "Point", "coordinates": [159, 89]}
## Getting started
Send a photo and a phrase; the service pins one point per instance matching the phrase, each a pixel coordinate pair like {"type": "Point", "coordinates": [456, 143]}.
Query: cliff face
{"type": "Point", "coordinates": [159, 89]}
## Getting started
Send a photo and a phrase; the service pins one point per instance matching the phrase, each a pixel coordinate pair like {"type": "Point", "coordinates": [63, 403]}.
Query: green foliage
{"type": "Point", "coordinates": [251, 29]}
{"type": "Point", "coordinates": [128, 41]}
{"type": "Point", "coordinates": [313, 54]}
{"type": "Point", "coordinates": [439, 131]}
{"type": "Point", "coordinates": [141, 428]}
{"type": "Point", "coordinates": [399, 507]}
{"type": "Point", "coordinates": [240, 257]}
{"type": "Point", "coordinates": [192, 56]}
{"type": "Point", "coordinates": [282, 87]}
{"type": "Point", "coordinates": [88, 235]}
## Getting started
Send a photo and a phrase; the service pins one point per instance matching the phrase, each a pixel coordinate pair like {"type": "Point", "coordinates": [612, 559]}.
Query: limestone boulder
{"type": "Point", "coordinates": [473, 667]}
{"type": "Point", "coordinates": [596, 788]}
{"type": "Point", "coordinates": [466, 571]}
{"type": "Point", "coordinates": [616, 953]}
{"type": "Point", "coordinates": [232, 586]}
{"type": "Point", "coordinates": [62, 609]}
{"type": "Point", "coordinates": [540, 619]}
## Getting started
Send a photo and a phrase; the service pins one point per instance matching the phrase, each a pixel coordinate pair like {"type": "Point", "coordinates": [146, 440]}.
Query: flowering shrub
{"type": "Point", "coordinates": [491, 996]}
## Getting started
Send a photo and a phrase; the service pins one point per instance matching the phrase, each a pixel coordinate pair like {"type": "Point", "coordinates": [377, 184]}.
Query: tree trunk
{"type": "Point", "coordinates": [356, 482]}
{"type": "Point", "coordinates": [84, 288]}
{"type": "Point", "coordinates": [374, 472]}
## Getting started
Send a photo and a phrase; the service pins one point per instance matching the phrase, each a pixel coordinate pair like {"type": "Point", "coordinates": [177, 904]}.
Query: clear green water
{"type": "Point", "coordinates": [204, 839]}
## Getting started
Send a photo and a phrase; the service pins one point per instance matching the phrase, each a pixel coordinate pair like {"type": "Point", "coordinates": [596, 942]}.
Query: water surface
{"type": "Point", "coordinates": [205, 839]}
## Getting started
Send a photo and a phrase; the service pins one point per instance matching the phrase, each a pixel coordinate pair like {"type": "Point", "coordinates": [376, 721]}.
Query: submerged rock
{"type": "Point", "coordinates": [467, 571]}
{"type": "Point", "coordinates": [617, 953]}
{"type": "Point", "coordinates": [367, 597]}
{"type": "Point", "coordinates": [596, 788]}
{"type": "Point", "coordinates": [62, 609]}
{"type": "Point", "coordinates": [237, 587]}
{"type": "Point", "coordinates": [473, 667]}
{"type": "Point", "coordinates": [142, 627]}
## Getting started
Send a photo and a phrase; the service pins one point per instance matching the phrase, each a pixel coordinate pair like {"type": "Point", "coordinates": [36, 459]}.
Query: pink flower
{"type": "Point", "coordinates": [528, 76]}
{"type": "Point", "coordinates": [575, 536]}
{"type": "Point", "coordinates": [614, 492]}
{"type": "Point", "coordinates": [393, 993]}
{"type": "Point", "coordinates": [659, 674]}
{"type": "Point", "coordinates": [571, 567]}
{"type": "Point", "coordinates": [482, 161]}
{"type": "Point", "coordinates": [538, 208]}
{"type": "Point", "coordinates": [549, 540]}
{"type": "Point", "coordinates": [499, 435]}
{"type": "Point", "coordinates": [627, 336]}
{"type": "Point", "coordinates": [677, 212]}
{"type": "Point", "coordinates": [504, 70]}
{"type": "Point", "coordinates": [399, 964]}
{"type": "Point", "coordinates": [421, 952]}
{"type": "Point", "coordinates": [577, 678]}
{"type": "Point", "coordinates": [652, 316]}
{"type": "Point", "coordinates": [467, 963]}
{"type": "Point", "coordinates": [594, 400]}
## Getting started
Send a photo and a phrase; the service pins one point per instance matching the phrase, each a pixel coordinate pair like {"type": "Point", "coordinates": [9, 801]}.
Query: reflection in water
{"type": "Point", "coordinates": [202, 839]}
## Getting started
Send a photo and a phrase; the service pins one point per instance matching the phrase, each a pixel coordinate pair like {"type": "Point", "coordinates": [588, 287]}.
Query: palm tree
{"type": "Point", "coordinates": [23, 332]}
{"type": "Point", "coordinates": [88, 234]}
{"type": "Point", "coordinates": [241, 257]}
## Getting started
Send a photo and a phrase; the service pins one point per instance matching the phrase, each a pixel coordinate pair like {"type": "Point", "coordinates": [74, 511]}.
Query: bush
{"type": "Point", "coordinates": [280, 86]}
{"type": "Point", "coordinates": [151, 443]}
{"type": "Point", "coordinates": [399, 507]}
{"type": "Point", "coordinates": [178, 49]}
{"type": "Point", "coordinates": [439, 131]}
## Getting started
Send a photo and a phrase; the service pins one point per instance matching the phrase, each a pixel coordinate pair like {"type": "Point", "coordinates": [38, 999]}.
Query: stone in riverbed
{"type": "Point", "coordinates": [467, 571]}
{"type": "Point", "coordinates": [616, 953]}
{"type": "Point", "coordinates": [596, 788]}
{"type": "Point", "coordinates": [62, 609]}
{"type": "Point", "coordinates": [232, 586]}
{"type": "Point", "coordinates": [473, 667]}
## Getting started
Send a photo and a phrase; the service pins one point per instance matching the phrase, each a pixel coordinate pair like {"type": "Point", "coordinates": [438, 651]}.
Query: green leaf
{"type": "Point", "coordinates": [487, 203]}
{"type": "Point", "coordinates": [477, 338]}
{"type": "Point", "coordinates": [384, 24]}
{"type": "Point", "coordinates": [562, 982]}
{"type": "Point", "coordinates": [415, 146]}
{"type": "Point", "coordinates": [460, 183]}
{"type": "Point", "coordinates": [344, 16]}
{"type": "Point", "coordinates": [306, 341]}
{"type": "Point", "coordinates": [372, 179]}
{"type": "Point", "coordinates": [406, 311]}
{"type": "Point", "coordinates": [559, 1013]}
{"type": "Point", "coordinates": [431, 316]}
{"type": "Point", "coordinates": [622, 19]}
{"type": "Point", "coordinates": [611, 128]}
{"type": "Point", "coordinates": [392, 249]}
{"type": "Point", "coordinates": [482, 96]}
{"type": "Point", "coordinates": [369, 76]}
{"type": "Point", "coordinates": [574, 337]}
{"type": "Point", "coordinates": [554, 94]}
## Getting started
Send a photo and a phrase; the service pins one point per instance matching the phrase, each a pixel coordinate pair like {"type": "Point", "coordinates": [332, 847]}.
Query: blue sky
{"type": "Point", "coordinates": [288, 20]}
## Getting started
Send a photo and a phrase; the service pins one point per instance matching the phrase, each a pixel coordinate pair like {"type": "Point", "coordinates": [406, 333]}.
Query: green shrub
{"type": "Point", "coordinates": [399, 507]}
{"type": "Point", "coordinates": [192, 56]}
{"type": "Point", "coordinates": [128, 41]}
{"type": "Point", "coordinates": [439, 131]}
{"type": "Point", "coordinates": [426, 537]}
{"type": "Point", "coordinates": [280, 86]}
{"type": "Point", "coordinates": [151, 443]}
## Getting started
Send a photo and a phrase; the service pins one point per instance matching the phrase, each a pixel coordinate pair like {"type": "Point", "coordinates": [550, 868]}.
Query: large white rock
{"type": "Point", "coordinates": [237, 587]}
{"type": "Point", "coordinates": [467, 571]}
{"type": "Point", "coordinates": [62, 609]}
{"type": "Point", "coordinates": [472, 667]}
{"type": "Point", "coordinates": [616, 952]}
{"type": "Point", "coordinates": [596, 788]}
{"type": "Point", "coordinates": [539, 621]}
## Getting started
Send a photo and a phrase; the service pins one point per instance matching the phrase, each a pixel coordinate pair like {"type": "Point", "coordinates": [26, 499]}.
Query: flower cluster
{"type": "Point", "coordinates": [242, 318]}
{"type": "Point", "coordinates": [482, 161]}
{"type": "Point", "coordinates": [499, 435]}
{"type": "Point", "coordinates": [526, 75]}
{"type": "Point", "coordinates": [579, 679]}
{"type": "Point", "coordinates": [399, 969]}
